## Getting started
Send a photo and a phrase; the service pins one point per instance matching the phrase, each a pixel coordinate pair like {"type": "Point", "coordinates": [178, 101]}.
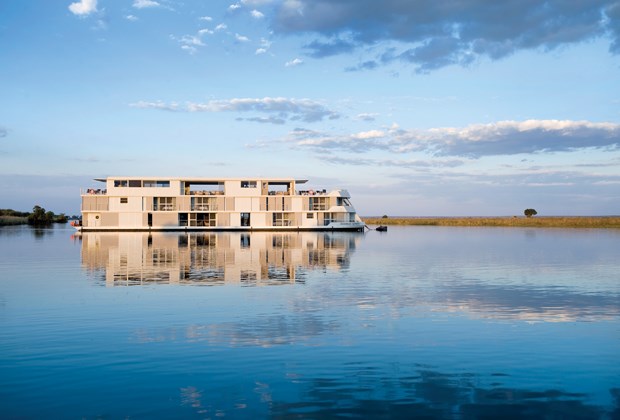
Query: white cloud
{"type": "Point", "coordinates": [293, 63]}
{"type": "Point", "coordinates": [475, 141]}
{"type": "Point", "coordinates": [143, 4]}
{"type": "Point", "coordinates": [131, 18]}
{"type": "Point", "coordinates": [206, 18]}
{"type": "Point", "coordinates": [83, 7]}
{"type": "Point", "coordinates": [256, 14]}
{"type": "Point", "coordinates": [241, 38]}
{"type": "Point", "coordinates": [205, 32]}
{"type": "Point", "coordinates": [189, 43]}
{"type": "Point", "coordinates": [366, 116]}
{"type": "Point", "coordinates": [189, 48]}
{"type": "Point", "coordinates": [221, 27]}
{"type": "Point", "coordinates": [234, 7]}
{"type": "Point", "coordinates": [372, 134]}
{"type": "Point", "coordinates": [279, 110]}
{"type": "Point", "coordinates": [256, 3]}
{"type": "Point", "coordinates": [265, 44]}
{"type": "Point", "coordinates": [155, 105]}
{"type": "Point", "coordinates": [192, 40]}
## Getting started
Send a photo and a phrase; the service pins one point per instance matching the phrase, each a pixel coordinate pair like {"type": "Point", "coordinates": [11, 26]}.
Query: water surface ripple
{"type": "Point", "coordinates": [432, 322]}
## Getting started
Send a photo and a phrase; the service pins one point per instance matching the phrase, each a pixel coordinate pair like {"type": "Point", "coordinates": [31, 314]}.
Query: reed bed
{"type": "Point", "coordinates": [12, 220]}
{"type": "Point", "coordinates": [538, 222]}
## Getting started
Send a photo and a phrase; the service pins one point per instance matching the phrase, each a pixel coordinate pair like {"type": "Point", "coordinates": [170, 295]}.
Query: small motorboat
{"type": "Point", "coordinates": [381, 228]}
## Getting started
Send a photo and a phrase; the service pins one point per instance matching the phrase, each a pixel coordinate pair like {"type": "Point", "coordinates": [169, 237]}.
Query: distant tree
{"type": "Point", "coordinates": [384, 216]}
{"type": "Point", "coordinates": [40, 217]}
{"type": "Point", "coordinates": [530, 212]}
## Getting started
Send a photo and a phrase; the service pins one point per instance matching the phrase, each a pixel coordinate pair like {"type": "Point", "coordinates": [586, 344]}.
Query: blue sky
{"type": "Point", "coordinates": [421, 108]}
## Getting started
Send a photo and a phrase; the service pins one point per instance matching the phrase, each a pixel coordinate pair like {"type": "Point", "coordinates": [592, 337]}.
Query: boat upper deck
{"type": "Point", "coordinates": [175, 186]}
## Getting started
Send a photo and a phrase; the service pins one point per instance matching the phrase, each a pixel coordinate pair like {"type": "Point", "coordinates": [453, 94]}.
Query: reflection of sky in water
{"type": "Point", "coordinates": [418, 322]}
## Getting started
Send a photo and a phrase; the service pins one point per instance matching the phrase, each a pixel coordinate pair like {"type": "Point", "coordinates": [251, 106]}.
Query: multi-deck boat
{"type": "Point", "coordinates": [136, 203]}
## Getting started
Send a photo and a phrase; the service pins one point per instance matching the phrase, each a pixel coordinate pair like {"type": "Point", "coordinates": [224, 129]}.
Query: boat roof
{"type": "Point", "coordinates": [198, 180]}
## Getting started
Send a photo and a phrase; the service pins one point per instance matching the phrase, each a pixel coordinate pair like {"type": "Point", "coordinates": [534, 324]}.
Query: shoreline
{"type": "Point", "coordinates": [607, 222]}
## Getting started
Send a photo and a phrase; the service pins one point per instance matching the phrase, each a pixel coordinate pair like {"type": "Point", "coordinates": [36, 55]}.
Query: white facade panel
{"type": "Point", "coordinates": [243, 204]}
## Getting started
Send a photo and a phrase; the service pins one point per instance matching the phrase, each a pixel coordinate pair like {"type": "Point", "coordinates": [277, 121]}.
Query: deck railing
{"type": "Point", "coordinates": [93, 191]}
{"type": "Point", "coordinates": [282, 223]}
{"type": "Point", "coordinates": [165, 207]}
{"type": "Point", "coordinates": [204, 207]}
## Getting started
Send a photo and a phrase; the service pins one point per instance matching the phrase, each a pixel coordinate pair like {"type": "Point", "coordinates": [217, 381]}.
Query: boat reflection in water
{"type": "Point", "coordinates": [256, 258]}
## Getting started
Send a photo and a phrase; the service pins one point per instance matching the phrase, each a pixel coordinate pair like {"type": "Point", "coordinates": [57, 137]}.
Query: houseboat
{"type": "Point", "coordinates": [137, 203]}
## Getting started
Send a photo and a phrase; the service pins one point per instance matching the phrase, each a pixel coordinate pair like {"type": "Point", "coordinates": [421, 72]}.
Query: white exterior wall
{"type": "Point", "coordinates": [130, 220]}
{"type": "Point", "coordinates": [134, 204]}
{"type": "Point", "coordinates": [243, 204]}
{"type": "Point", "coordinates": [308, 222]}
{"type": "Point", "coordinates": [260, 220]}
{"type": "Point", "coordinates": [256, 203]}
{"type": "Point", "coordinates": [233, 188]}
{"type": "Point", "coordinates": [297, 203]}
{"type": "Point", "coordinates": [235, 219]}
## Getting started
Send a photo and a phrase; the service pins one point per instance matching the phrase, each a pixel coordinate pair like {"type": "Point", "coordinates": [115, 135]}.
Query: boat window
{"type": "Point", "coordinates": [120, 183]}
{"type": "Point", "coordinates": [123, 200]}
{"type": "Point", "coordinates": [248, 184]}
{"type": "Point", "coordinates": [309, 215]}
{"type": "Point", "coordinates": [164, 203]}
{"type": "Point", "coordinates": [156, 184]}
{"type": "Point", "coordinates": [135, 183]}
{"type": "Point", "coordinates": [343, 202]}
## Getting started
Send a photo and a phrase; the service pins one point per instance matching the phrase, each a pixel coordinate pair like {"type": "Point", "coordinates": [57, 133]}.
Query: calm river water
{"type": "Point", "coordinates": [417, 322]}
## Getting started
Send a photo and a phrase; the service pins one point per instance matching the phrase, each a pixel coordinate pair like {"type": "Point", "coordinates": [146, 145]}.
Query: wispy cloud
{"type": "Point", "coordinates": [366, 116]}
{"type": "Point", "coordinates": [83, 7]}
{"type": "Point", "coordinates": [131, 18]}
{"type": "Point", "coordinates": [144, 4]}
{"type": "Point", "coordinates": [190, 43]}
{"type": "Point", "coordinates": [256, 14]}
{"type": "Point", "coordinates": [3, 132]}
{"type": "Point", "coordinates": [156, 105]}
{"type": "Point", "coordinates": [474, 141]}
{"type": "Point", "coordinates": [430, 35]}
{"type": "Point", "coordinates": [206, 18]}
{"type": "Point", "coordinates": [278, 110]}
{"type": "Point", "coordinates": [294, 63]}
{"type": "Point", "coordinates": [264, 46]}
{"type": "Point", "coordinates": [241, 38]}
{"type": "Point", "coordinates": [394, 163]}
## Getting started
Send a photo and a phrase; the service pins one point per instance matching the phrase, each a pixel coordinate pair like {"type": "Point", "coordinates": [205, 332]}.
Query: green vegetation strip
{"type": "Point", "coordinates": [38, 217]}
{"type": "Point", "coordinates": [541, 222]}
{"type": "Point", "coordinates": [12, 220]}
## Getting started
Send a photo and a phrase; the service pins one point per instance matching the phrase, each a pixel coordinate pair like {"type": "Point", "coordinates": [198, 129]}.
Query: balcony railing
{"type": "Point", "coordinates": [282, 222]}
{"type": "Point", "coordinates": [93, 191]}
{"type": "Point", "coordinates": [204, 207]}
{"type": "Point", "coordinates": [312, 192]}
{"type": "Point", "coordinates": [165, 207]}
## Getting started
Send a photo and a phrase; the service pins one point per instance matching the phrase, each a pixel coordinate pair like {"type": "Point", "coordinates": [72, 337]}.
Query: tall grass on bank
{"type": "Point", "coordinates": [12, 220]}
{"type": "Point", "coordinates": [541, 222]}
